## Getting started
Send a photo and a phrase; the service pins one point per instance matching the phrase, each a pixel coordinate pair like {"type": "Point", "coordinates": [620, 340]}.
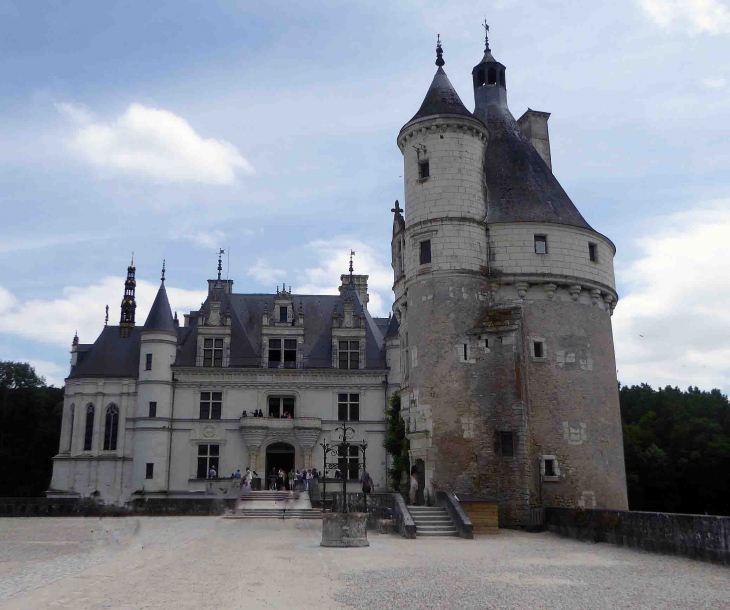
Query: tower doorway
{"type": "Point", "coordinates": [279, 455]}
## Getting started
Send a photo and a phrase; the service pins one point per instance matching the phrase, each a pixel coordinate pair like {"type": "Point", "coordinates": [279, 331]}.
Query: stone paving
{"type": "Point", "coordinates": [209, 562]}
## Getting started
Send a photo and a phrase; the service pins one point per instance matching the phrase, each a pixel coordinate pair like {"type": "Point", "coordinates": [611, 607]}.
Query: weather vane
{"type": "Point", "coordinates": [485, 25]}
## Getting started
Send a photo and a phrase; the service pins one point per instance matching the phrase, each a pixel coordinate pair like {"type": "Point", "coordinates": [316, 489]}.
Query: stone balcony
{"type": "Point", "coordinates": [305, 430]}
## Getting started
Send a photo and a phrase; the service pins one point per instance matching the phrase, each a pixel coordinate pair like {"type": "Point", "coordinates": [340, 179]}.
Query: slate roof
{"type": "Point", "coordinates": [392, 328]}
{"type": "Point", "coordinates": [247, 314]}
{"type": "Point", "coordinates": [110, 355]}
{"type": "Point", "coordinates": [441, 98]}
{"type": "Point", "coordinates": [382, 324]}
{"type": "Point", "coordinates": [160, 316]}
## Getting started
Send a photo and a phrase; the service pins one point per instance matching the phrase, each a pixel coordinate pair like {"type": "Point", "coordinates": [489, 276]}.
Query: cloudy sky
{"type": "Point", "coordinates": [172, 128]}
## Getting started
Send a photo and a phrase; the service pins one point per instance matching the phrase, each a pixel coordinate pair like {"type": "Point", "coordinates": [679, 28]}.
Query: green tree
{"type": "Point", "coordinates": [677, 449]}
{"type": "Point", "coordinates": [396, 443]}
{"type": "Point", "coordinates": [30, 428]}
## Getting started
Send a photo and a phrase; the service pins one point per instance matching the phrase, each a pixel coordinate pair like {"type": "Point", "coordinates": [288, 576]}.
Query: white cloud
{"type": "Point", "coordinates": [715, 83]}
{"type": "Point", "coordinates": [207, 239]}
{"type": "Point", "coordinates": [53, 372]}
{"type": "Point", "coordinates": [697, 16]}
{"type": "Point", "coordinates": [153, 143]}
{"type": "Point", "coordinates": [264, 273]}
{"type": "Point", "coordinates": [335, 260]}
{"type": "Point", "coordinates": [673, 326]}
{"type": "Point", "coordinates": [81, 308]}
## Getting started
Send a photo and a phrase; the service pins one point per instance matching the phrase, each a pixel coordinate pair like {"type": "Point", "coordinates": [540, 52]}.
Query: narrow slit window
{"type": "Point", "coordinates": [593, 253]}
{"type": "Point", "coordinates": [538, 349]}
{"type": "Point", "coordinates": [424, 171]}
{"type": "Point", "coordinates": [153, 409]}
{"type": "Point", "coordinates": [148, 362]}
{"type": "Point", "coordinates": [541, 244]}
{"type": "Point", "coordinates": [507, 443]}
{"type": "Point", "coordinates": [283, 314]}
{"type": "Point", "coordinates": [89, 429]}
{"type": "Point", "coordinates": [425, 253]}
{"type": "Point", "coordinates": [149, 471]}
{"type": "Point", "coordinates": [466, 351]}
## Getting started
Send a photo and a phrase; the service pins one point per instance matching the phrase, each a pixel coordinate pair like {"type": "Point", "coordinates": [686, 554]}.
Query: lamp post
{"type": "Point", "coordinates": [342, 449]}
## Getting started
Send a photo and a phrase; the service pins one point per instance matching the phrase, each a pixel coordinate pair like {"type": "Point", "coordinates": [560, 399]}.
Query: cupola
{"type": "Point", "coordinates": [490, 84]}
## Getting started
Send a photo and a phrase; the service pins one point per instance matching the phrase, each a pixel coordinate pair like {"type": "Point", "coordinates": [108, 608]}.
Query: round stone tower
{"type": "Point", "coordinates": [509, 375]}
{"type": "Point", "coordinates": [152, 429]}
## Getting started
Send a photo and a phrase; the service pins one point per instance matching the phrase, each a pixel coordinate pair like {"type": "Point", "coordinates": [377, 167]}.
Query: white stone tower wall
{"type": "Point", "coordinates": [151, 436]}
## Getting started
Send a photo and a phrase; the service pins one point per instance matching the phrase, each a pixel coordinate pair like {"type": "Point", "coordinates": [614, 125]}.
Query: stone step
{"type": "Point", "coordinates": [432, 520]}
{"type": "Point", "coordinates": [452, 533]}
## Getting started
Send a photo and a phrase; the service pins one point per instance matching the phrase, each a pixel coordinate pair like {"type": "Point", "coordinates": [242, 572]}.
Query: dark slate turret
{"type": "Point", "coordinates": [441, 97]}
{"type": "Point", "coordinates": [520, 185]}
{"type": "Point", "coordinates": [160, 316]}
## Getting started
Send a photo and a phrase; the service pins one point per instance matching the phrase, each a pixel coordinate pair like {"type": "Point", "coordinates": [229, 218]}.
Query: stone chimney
{"type": "Point", "coordinates": [361, 286]}
{"type": "Point", "coordinates": [534, 126]}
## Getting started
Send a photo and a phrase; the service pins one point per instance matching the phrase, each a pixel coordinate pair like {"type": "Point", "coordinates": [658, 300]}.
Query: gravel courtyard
{"type": "Point", "coordinates": [208, 562]}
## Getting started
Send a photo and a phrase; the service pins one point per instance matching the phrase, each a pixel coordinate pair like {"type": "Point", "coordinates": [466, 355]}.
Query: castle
{"type": "Point", "coordinates": [500, 344]}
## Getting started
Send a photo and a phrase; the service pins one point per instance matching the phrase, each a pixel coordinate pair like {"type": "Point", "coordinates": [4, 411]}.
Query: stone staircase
{"type": "Point", "coordinates": [275, 505]}
{"type": "Point", "coordinates": [432, 521]}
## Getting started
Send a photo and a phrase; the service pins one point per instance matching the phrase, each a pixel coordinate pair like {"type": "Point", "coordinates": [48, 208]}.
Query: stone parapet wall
{"type": "Point", "coordinates": [702, 537]}
{"type": "Point", "coordinates": [512, 247]}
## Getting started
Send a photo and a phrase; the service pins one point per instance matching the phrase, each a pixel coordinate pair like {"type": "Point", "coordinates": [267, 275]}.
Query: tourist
{"type": "Point", "coordinates": [280, 479]}
{"type": "Point", "coordinates": [272, 480]}
{"type": "Point", "coordinates": [244, 413]}
{"type": "Point", "coordinates": [414, 487]}
{"type": "Point", "coordinates": [237, 479]}
{"type": "Point", "coordinates": [212, 474]}
{"type": "Point", "coordinates": [367, 484]}
{"type": "Point", "coordinates": [338, 473]}
{"type": "Point", "coordinates": [292, 478]}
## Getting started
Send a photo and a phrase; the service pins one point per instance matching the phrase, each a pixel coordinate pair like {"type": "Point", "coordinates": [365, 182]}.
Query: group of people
{"type": "Point", "coordinates": [243, 481]}
{"type": "Point", "coordinates": [282, 480]}
{"type": "Point", "coordinates": [260, 413]}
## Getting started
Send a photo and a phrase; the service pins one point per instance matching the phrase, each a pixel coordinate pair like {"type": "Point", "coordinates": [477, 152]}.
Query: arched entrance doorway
{"type": "Point", "coordinates": [279, 455]}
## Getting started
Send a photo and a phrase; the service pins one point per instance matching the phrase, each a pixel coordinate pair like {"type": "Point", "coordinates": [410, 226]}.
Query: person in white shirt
{"type": "Point", "coordinates": [414, 488]}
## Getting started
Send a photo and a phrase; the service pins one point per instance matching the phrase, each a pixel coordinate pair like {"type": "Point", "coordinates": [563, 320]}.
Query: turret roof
{"type": "Point", "coordinates": [441, 98]}
{"type": "Point", "coordinates": [160, 316]}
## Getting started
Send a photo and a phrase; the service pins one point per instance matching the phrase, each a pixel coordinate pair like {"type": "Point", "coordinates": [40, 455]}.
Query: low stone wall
{"type": "Point", "coordinates": [84, 507]}
{"type": "Point", "coordinates": [702, 537]}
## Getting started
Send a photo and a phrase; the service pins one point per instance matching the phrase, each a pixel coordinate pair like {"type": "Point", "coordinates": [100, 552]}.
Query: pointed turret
{"type": "Point", "coordinates": [129, 305]}
{"type": "Point", "coordinates": [160, 316]}
{"type": "Point", "coordinates": [441, 97]}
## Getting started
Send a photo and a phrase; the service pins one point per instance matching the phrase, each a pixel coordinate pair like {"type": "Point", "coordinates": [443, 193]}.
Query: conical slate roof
{"type": "Point", "coordinates": [441, 98]}
{"type": "Point", "coordinates": [520, 185]}
{"type": "Point", "coordinates": [160, 316]}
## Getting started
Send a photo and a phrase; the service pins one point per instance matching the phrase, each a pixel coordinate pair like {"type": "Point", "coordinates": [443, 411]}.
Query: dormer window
{"type": "Point", "coordinates": [349, 353]}
{"type": "Point", "coordinates": [274, 353]}
{"type": "Point", "coordinates": [213, 352]}
{"type": "Point", "coordinates": [283, 311]}
{"type": "Point", "coordinates": [289, 353]}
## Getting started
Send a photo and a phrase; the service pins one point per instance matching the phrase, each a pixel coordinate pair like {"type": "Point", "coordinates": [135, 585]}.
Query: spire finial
{"type": "Point", "coordinates": [221, 252]}
{"type": "Point", "coordinates": [106, 317]}
{"type": "Point", "coordinates": [439, 52]}
{"type": "Point", "coordinates": [76, 338]}
{"type": "Point", "coordinates": [485, 25]}
{"type": "Point", "coordinates": [397, 209]}
{"type": "Point", "coordinates": [352, 282]}
{"type": "Point", "coordinates": [163, 271]}
{"type": "Point", "coordinates": [132, 263]}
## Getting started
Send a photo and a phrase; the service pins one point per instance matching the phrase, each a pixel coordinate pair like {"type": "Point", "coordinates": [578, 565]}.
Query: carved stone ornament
{"type": "Point", "coordinates": [209, 431]}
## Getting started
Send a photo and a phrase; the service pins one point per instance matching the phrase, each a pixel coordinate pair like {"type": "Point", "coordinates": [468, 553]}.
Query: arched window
{"type": "Point", "coordinates": [502, 80]}
{"type": "Point", "coordinates": [89, 430]}
{"type": "Point", "coordinates": [480, 78]}
{"type": "Point", "coordinates": [492, 76]}
{"type": "Point", "coordinates": [71, 427]}
{"type": "Point", "coordinates": [111, 427]}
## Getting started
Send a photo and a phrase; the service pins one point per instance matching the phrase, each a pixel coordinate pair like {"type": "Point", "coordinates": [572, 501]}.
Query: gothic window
{"type": "Point", "coordinates": [111, 428]}
{"type": "Point", "coordinates": [349, 462]}
{"type": "Point", "coordinates": [507, 444]}
{"type": "Point", "coordinates": [348, 407]}
{"type": "Point", "coordinates": [153, 409]}
{"type": "Point", "coordinates": [541, 244]}
{"type": "Point", "coordinates": [210, 405]}
{"type": "Point", "coordinates": [281, 406]}
{"type": "Point", "coordinates": [208, 457]}
{"type": "Point", "coordinates": [492, 76]}
{"type": "Point", "coordinates": [349, 354]}
{"type": "Point", "coordinates": [213, 352]}
{"type": "Point", "coordinates": [89, 430]}
{"type": "Point", "coordinates": [425, 252]}
{"type": "Point", "coordinates": [148, 362]}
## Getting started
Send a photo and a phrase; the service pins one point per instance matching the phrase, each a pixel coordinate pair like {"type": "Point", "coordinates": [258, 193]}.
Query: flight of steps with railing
{"type": "Point", "coordinates": [432, 521]}
{"type": "Point", "coordinates": [275, 505]}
